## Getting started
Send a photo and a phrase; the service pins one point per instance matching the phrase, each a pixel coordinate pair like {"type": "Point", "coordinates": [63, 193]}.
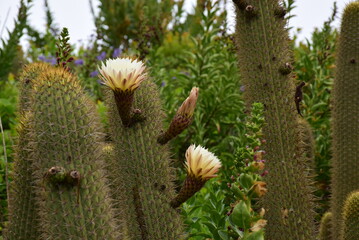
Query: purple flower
{"type": "Point", "coordinates": [163, 84]}
{"type": "Point", "coordinates": [242, 88]}
{"type": "Point", "coordinates": [94, 74]}
{"type": "Point", "coordinates": [116, 52]}
{"type": "Point", "coordinates": [51, 60]}
{"type": "Point", "coordinates": [42, 58]}
{"type": "Point", "coordinates": [102, 56]}
{"type": "Point", "coordinates": [79, 62]}
{"type": "Point", "coordinates": [173, 78]}
{"type": "Point", "coordinates": [264, 173]}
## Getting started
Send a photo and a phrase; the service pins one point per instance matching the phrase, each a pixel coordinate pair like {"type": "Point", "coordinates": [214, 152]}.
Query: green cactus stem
{"type": "Point", "coordinates": [23, 216]}
{"type": "Point", "coordinates": [67, 139]}
{"type": "Point", "coordinates": [142, 182]}
{"type": "Point", "coordinates": [345, 130]}
{"type": "Point", "coordinates": [325, 230]}
{"type": "Point", "coordinates": [265, 65]}
{"type": "Point", "coordinates": [350, 226]}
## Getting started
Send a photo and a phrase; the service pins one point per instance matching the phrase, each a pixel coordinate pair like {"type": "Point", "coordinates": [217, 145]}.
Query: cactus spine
{"type": "Point", "coordinates": [350, 227]}
{"type": "Point", "coordinates": [265, 66]}
{"type": "Point", "coordinates": [72, 193]}
{"type": "Point", "coordinates": [325, 230]}
{"type": "Point", "coordinates": [141, 170]}
{"type": "Point", "coordinates": [345, 125]}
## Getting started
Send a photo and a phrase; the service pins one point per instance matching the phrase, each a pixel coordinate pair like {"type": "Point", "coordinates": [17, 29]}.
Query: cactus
{"type": "Point", "coordinates": [345, 129]}
{"type": "Point", "coordinates": [325, 230]}
{"type": "Point", "coordinates": [22, 204]}
{"type": "Point", "coordinates": [71, 188]}
{"type": "Point", "coordinates": [350, 226]}
{"type": "Point", "coordinates": [265, 65]}
{"type": "Point", "coordinates": [22, 197]}
{"type": "Point", "coordinates": [142, 177]}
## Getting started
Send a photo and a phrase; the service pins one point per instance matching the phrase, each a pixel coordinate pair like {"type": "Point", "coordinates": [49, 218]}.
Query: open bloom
{"type": "Point", "coordinates": [188, 106]}
{"type": "Point", "coordinates": [122, 74]}
{"type": "Point", "coordinates": [201, 163]}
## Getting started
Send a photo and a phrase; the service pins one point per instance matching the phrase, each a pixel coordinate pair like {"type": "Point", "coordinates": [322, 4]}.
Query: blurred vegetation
{"type": "Point", "coordinates": [183, 50]}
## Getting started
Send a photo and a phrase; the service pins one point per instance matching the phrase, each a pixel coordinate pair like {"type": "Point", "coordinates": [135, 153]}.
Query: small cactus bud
{"type": "Point", "coordinates": [182, 119]}
{"type": "Point", "coordinates": [250, 11]}
{"type": "Point", "coordinates": [56, 175]}
{"type": "Point", "coordinates": [280, 12]}
{"type": "Point", "coordinates": [241, 4]}
{"type": "Point", "coordinates": [286, 69]}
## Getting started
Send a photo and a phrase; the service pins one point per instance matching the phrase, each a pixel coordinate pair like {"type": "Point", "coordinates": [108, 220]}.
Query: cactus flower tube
{"type": "Point", "coordinates": [182, 119]}
{"type": "Point", "coordinates": [124, 76]}
{"type": "Point", "coordinates": [201, 166]}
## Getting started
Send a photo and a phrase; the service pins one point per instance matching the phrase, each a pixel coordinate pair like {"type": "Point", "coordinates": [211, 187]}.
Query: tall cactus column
{"type": "Point", "coordinates": [142, 176]}
{"type": "Point", "coordinates": [72, 191]}
{"type": "Point", "coordinates": [22, 204]}
{"type": "Point", "coordinates": [265, 67]}
{"type": "Point", "coordinates": [345, 114]}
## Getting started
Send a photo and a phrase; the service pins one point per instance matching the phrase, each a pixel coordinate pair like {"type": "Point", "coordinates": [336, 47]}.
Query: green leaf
{"type": "Point", "coordinates": [223, 235]}
{"type": "Point", "coordinates": [237, 192]}
{"type": "Point", "coordinates": [241, 215]}
{"type": "Point", "coordinates": [246, 180]}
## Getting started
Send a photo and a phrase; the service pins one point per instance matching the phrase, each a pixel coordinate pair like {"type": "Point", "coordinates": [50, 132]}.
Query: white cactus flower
{"type": "Point", "coordinates": [122, 74]}
{"type": "Point", "coordinates": [201, 163]}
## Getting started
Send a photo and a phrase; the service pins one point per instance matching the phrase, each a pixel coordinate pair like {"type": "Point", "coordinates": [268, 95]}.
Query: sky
{"type": "Point", "coordinates": [76, 16]}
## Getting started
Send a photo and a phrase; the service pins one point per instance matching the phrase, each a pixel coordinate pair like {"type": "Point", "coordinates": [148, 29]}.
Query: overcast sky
{"type": "Point", "coordinates": [75, 15]}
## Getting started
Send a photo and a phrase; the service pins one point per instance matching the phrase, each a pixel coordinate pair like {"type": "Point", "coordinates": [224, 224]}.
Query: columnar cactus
{"type": "Point", "coordinates": [350, 226]}
{"type": "Point", "coordinates": [22, 212]}
{"type": "Point", "coordinates": [142, 176]}
{"type": "Point", "coordinates": [22, 203]}
{"type": "Point", "coordinates": [325, 230]}
{"type": "Point", "coordinates": [345, 127]}
{"type": "Point", "coordinates": [265, 64]}
{"type": "Point", "coordinates": [71, 187]}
